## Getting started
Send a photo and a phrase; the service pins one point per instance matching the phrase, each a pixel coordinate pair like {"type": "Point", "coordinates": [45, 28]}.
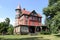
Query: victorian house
{"type": "Point", "coordinates": [26, 21]}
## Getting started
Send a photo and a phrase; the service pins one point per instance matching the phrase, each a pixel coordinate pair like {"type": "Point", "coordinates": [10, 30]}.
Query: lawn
{"type": "Point", "coordinates": [29, 37]}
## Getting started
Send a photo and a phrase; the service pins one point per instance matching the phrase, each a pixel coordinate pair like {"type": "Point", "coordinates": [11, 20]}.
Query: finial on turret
{"type": "Point", "coordinates": [18, 7]}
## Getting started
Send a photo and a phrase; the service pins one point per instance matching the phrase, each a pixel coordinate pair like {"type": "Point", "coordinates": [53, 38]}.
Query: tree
{"type": "Point", "coordinates": [7, 21]}
{"type": "Point", "coordinates": [5, 26]}
{"type": "Point", "coordinates": [52, 15]}
{"type": "Point", "coordinates": [51, 2]}
{"type": "Point", "coordinates": [10, 29]}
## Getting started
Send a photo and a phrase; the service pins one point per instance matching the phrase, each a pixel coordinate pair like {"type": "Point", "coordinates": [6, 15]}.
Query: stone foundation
{"type": "Point", "coordinates": [26, 29]}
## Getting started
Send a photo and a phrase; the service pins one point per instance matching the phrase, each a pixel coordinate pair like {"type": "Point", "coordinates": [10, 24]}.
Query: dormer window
{"type": "Point", "coordinates": [34, 18]}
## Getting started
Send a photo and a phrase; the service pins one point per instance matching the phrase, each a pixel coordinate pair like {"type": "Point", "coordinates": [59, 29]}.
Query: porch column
{"type": "Point", "coordinates": [36, 29]}
{"type": "Point", "coordinates": [41, 28]}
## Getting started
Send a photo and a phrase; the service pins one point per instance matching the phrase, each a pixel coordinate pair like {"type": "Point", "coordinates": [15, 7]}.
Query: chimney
{"type": "Point", "coordinates": [23, 8]}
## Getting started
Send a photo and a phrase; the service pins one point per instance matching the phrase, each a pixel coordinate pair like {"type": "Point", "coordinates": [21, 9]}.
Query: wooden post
{"type": "Point", "coordinates": [41, 28]}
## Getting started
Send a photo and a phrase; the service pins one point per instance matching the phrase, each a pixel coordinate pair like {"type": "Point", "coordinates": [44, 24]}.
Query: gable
{"type": "Point", "coordinates": [33, 13]}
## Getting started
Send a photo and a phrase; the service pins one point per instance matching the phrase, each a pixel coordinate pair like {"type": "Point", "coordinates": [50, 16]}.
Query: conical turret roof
{"type": "Point", "coordinates": [18, 7]}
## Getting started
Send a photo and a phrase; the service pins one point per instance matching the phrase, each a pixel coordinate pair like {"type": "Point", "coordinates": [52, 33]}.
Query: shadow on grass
{"type": "Point", "coordinates": [58, 35]}
{"type": "Point", "coordinates": [31, 38]}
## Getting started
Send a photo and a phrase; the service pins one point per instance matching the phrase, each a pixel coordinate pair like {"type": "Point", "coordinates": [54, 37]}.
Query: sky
{"type": "Point", "coordinates": [7, 8]}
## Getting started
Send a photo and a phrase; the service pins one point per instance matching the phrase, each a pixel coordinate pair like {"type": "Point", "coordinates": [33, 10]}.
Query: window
{"type": "Point", "coordinates": [17, 16]}
{"type": "Point", "coordinates": [34, 18]}
{"type": "Point", "coordinates": [26, 22]}
{"type": "Point", "coordinates": [32, 23]}
{"type": "Point", "coordinates": [32, 14]}
{"type": "Point", "coordinates": [26, 16]}
{"type": "Point", "coordinates": [31, 17]}
{"type": "Point", "coordinates": [35, 14]}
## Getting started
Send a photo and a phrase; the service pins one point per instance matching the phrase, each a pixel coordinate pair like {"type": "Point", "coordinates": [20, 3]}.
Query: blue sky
{"type": "Point", "coordinates": [7, 8]}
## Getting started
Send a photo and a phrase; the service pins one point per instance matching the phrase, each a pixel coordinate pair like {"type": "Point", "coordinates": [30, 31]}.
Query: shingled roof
{"type": "Point", "coordinates": [27, 12]}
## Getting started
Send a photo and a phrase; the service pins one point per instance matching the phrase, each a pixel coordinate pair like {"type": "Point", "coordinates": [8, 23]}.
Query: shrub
{"type": "Point", "coordinates": [45, 32]}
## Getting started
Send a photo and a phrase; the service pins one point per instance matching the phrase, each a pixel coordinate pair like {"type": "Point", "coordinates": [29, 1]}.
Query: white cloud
{"type": "Point", "coordinates": [11, 21]}
{"type": "Point", "coordinates": [2, 19]}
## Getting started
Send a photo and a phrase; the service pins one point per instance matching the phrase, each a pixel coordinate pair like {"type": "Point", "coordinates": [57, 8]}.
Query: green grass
{"type": "Point", "coordinates": [29, 37]}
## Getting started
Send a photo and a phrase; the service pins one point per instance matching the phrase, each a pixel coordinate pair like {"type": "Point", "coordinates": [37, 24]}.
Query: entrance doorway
{"type": "Point", "coordinates": [32, 29]}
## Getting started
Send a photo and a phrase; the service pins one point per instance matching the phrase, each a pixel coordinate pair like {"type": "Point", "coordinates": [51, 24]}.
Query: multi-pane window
{"type": "Point", "coordinates": [26, 22]}
{"type": "Point", "coordinates": [32, 23]}
{"type": "Point", "coordinates": [31, 17]}
{"type": "Point", "coordinates": [34, 18]}
{"type": "Point", "coordinates": [26, 17]}
{"type": "Point", "coordinates": [35, 14]}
